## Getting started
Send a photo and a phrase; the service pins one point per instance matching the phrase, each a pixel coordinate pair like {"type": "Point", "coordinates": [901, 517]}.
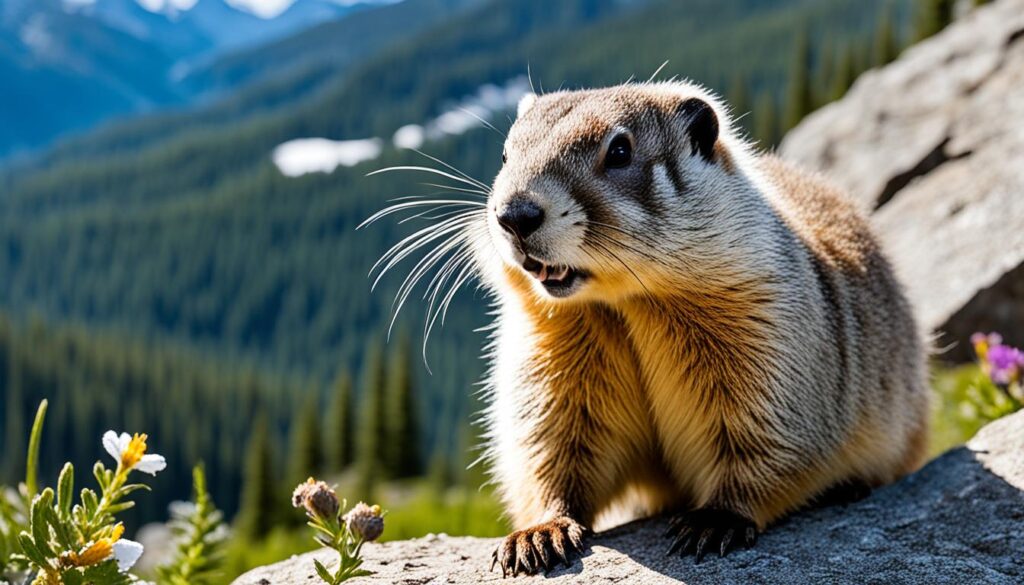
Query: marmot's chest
{"type": "Point", "coordinates": [694, 378]}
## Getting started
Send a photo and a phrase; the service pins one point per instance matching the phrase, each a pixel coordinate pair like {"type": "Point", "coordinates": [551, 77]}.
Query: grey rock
{"type": "Point", "coordinates": [958, 520]}
{"type": "Point", "coordinates": [934, 145]}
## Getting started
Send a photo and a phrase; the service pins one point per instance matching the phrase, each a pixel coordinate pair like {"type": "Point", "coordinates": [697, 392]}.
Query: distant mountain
{"type": "Point", "coordinates": [210, 27]}
{"type": "Point", "coordinates": [333, 44]}
{"type": "Point", "coordinates": [70, 64]}
{"type": "Point", "coordinates": [63, 71]}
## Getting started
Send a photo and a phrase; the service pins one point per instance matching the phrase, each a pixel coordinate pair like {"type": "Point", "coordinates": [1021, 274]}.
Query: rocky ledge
{"type": "Point", "coordinates": [934, 144]}
{"type": "Point", "coordinates": [960, 519]}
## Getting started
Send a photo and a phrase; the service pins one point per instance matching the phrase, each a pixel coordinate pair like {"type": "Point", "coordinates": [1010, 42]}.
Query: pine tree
{"type": "Point", "coordinates": [846, 73]}
{"type": "Point", "coordinates": [886, 47]}
{"type": "Point", "coordinates": [402, 442]}
{"type": "Point", "coordinates": [371, 456]}
{"type": "Point", "coordinates": [799, 100]}
{"type": "Point", "coordinates": [15, 431]}
{"type": "Point", "coordinates": [739, 100]}
{"type": "Point", "coordinates": [306, 453]}
{"type": "Point", "coordinates": [931, 17]}
{"type": "Point", "coordinates": [259, 505]}
{"type": "Point", "coordinates": [766, 121]}
{"type": "Point", "coordinates": [338, 428]}
{"type": "Point", "coordinates": [823, 75]}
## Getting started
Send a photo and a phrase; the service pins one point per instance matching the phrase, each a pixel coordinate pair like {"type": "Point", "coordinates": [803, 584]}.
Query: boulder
{"type": "Point", "coordinates": [933, 145]}
{"type": "Point", "coordinates": [960, 519]}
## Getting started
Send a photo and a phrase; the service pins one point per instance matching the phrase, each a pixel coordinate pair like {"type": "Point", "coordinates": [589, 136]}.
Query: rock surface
{"type": "Point", "coordinates": [958, 520]}
{"type": "Point", "coordinates": [935, 143]}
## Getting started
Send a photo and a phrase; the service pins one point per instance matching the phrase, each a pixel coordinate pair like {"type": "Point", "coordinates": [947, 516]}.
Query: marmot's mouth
{"type": "Point", "coordinates": [558, 279]}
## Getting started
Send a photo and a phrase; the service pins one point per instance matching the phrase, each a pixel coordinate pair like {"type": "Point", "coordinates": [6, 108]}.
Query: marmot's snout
{"type": "Point", "coordinates": [520, 216]}
{"type": "Point", "coordinates": [534, 245]}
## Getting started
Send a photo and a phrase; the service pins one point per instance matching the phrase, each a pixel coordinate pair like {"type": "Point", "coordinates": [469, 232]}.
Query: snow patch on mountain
{"type": "Point", "coordinates": [471, 112]}
{"type": "Point", "coordinates": [320, 155]}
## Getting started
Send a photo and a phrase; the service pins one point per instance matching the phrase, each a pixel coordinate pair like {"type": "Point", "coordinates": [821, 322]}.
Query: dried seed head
{"type": "Point", "coordinates": [365, 522]}
{"type": "Point", "coordinates": [317, 498]}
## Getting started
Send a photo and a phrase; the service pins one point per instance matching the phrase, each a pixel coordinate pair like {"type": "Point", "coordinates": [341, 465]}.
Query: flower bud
{"type": "Point", "coordinates": [365, 522]}
{"type": "Point", "coordinates": [317, 498]}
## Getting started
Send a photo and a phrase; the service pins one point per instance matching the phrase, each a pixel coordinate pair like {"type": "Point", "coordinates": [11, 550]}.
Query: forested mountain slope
{"type": "Point", "coordinates": [181, 228]}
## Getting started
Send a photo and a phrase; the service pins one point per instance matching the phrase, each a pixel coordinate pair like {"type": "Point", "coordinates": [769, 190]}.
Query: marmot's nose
{"type": "Point", "coordinates": [520, 216]}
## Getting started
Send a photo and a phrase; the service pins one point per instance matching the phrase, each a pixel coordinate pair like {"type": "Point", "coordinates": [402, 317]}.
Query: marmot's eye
{"type": "Point", "coordinates": [620, 153]}
{"type": "Point", "coordinates": [504, 156]}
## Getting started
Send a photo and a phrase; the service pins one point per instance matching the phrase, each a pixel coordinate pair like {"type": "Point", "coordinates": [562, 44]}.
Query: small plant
{"type": "Point", "coordinates": [999, 388]}
{"type": "Point", "coordinates": [343, 532]}
{"type": "Point", "coordinates": [46, 538]}
{"type": "Point", "coordinates": [59, 542]}
{"type": "Point", "coordinates": [200, 532]}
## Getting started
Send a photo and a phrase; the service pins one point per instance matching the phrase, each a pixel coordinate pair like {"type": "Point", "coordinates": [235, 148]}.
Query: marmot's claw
{"type": "Point", "coordinates": [539, 547]}
{"type": "Point", "coordinates": [708, 529]}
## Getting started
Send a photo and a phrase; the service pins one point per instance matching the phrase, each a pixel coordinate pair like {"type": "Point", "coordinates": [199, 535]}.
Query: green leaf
{"type": "Point", "coordinates": [323, 572]}
{"type": "Point", "coordinates": [72, 577]}
{"type": "Point", "coordinates": [99, 471]}
{"type": "Point", "coordinates": [130, 488]}
{"type": "Point", "coordinates": [106, 573]}
{"type": "Point", "coordinates": [39, 524]}
{"type": "Point", "coordinates": [32, 462]}
{"type": "Point", "coordinates": [65, 491]}
{"type": "Point", "coordinates": [28, 547]}
{"type": "Point", "coordinates": [118, 508]}
{"type": "Point", "coordinates": [63, 530]}
{"type": "Point", "coordinates": [89, 501]}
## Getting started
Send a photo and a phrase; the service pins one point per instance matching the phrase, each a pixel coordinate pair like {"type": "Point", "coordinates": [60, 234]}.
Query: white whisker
{"type": "Point", "coordinates": [410, 204]}
{"type": "Point", "coordinates": [453, 169]}
{"type": "Point", "coordinates": [473, 183]}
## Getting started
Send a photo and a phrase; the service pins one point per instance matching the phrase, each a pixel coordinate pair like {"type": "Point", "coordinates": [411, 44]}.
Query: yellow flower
{"type": "Point", "coordinates": [125, 552]}
{"type": "Point", "coordinates": [98, 551]}
{"type": "Point", "coordinates": [94, 553]}
{"type": "Point", "coordinates": [130, 452]}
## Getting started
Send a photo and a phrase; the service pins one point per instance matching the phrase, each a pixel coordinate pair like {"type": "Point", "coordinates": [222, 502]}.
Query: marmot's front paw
{"type": "Point", "coordinates": [708, 529]}
{"type": "Point", "coordinates": [539, 547]}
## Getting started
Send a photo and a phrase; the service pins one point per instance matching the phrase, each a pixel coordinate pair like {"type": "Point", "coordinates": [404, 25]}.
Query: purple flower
{"type": "Point", "coordinates": [983, 341]}
{"type": "Point", "coordinates": [1004, 364]}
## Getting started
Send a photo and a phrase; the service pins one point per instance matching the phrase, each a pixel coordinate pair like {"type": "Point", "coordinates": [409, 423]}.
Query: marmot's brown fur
{"type": "Point", "coordinates": [682, 324]}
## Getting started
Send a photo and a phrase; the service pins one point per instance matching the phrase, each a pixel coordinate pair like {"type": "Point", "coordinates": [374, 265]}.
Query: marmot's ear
{"type": "Point", "coordinates": [701, 125]}
{"type": "Point", "coordinates": [525, 103]}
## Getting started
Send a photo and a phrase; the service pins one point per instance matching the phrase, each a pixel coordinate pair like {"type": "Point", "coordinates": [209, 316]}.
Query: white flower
{"type": "Point", "coordinates": [130, 452]}
{"type": "Point", "coordinates": [126, 553]}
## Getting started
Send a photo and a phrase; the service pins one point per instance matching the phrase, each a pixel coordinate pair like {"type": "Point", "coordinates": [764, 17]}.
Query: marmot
{"type": "Point", "coordinates": [683, 324]}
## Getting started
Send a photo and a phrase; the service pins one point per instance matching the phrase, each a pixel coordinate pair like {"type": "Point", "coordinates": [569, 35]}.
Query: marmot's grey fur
{"type": "Point", "coordinates": [683, 324]}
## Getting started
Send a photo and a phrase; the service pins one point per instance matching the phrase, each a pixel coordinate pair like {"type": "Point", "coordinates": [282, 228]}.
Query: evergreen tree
{"type": "Point", "coordinates": [931, 17]}
{"type": "Point", "coordinates": [823, 75]}
{"type": "Point", "coordinates": [15, 431]}
{"type": "Point", "coordinates": [846, 73]}
{"type": "Point", "coordinates": [372, 456]}
{"type": "Point", "coordinates": [766, 121]}
{"type": "Point", "coordinates": [259, 504]}
{"type": "Point", "coordinates": [887, 45]}
{"type": "Point", "coordinates": [799, 100]}
{"type": "Point", "coordinates": [739, 100]}
{"type": "Point", "coordinates": [338, 428]}
{"type": "Point", "coordinates": [402, 442]}
{"type": "Point", "coordinates": [306, 453]}
{"type": "Point", "coordinates": [440, 475]}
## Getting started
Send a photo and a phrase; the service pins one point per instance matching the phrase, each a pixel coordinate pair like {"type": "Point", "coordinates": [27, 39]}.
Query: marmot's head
{"type": "Point", "coordinates": [600, 186]}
